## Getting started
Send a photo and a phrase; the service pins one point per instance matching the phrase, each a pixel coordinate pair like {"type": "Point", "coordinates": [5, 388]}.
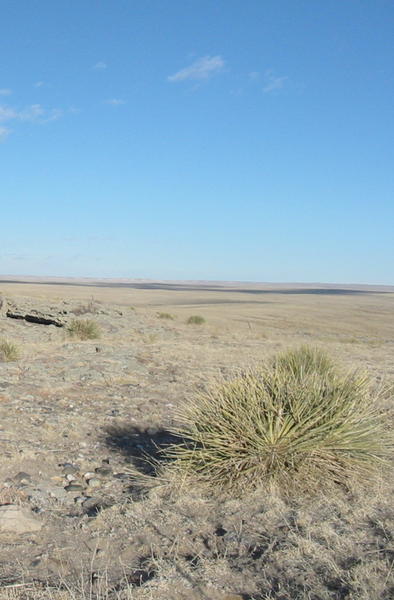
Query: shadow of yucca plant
{"type": "Point", "coordinates": [297, 421]}
{"type": "Point", "coordinates": [9, 351]}
{"type": "Point", "coordinates": [84, 329]}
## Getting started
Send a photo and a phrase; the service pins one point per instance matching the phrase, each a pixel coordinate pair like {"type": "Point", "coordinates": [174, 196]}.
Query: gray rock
{"type": "Point", "coordinates": [94, 482]}
{"type": "Point", "coordinates": [106, 471]}
{"type": "Point", "coordinates": [40, 495]}
{"type": "Point", "coordinates": [74, 487]}
{"type": "Point", "coordinates": [69, 469]}
{"type": "Point", "coordinates": [14, 519]}
{"type": "Point", "coordinates": [92, 503]}
{"type": "Point", "coordinates": [42, 315]}
{"type": "Point", "coordinates": [22, 477]}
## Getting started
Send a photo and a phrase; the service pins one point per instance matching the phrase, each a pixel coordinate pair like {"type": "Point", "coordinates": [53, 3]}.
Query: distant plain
{"type": "Point", "coordinates": [84, 402]}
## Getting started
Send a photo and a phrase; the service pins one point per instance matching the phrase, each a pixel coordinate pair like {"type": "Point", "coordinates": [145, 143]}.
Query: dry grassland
{"type": "Point", "coordinates": [105, 403]}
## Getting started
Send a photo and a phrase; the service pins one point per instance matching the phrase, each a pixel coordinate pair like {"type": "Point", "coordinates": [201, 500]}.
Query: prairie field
{"type": "Point", "coordinates": [86, 408]}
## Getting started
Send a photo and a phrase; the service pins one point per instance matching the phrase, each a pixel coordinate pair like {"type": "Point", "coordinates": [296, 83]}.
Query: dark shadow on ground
{"type": "Point", "coordinates": [143, 448]}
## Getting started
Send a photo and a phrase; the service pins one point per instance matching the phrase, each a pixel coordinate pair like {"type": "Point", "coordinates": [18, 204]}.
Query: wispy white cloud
{"type": "Point", "coordinates": [54, 114]}
{"type": "Point", "coordinates": [5, 92]}
{"type": "Point", "coordinates": [34, 113]}
{"type": "Point", "coordinates": [39, 84]}
{"type": "Point", "coordinates": [203, 68]}
{"type": "Point", "coordinates": [273, 83]}
{"type": "Point", "coordinates": [100, 66]}
{"type": "Point", "coordinates": [4, 133]}
{"type": "Point", "coordinates": [115, 101]}
{"type": "Point", "coordinates": [31, 113]}
{"type": "Point", "coordinates": [7, 113]}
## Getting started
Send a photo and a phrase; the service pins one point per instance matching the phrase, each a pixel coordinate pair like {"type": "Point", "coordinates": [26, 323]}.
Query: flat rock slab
{"type": "Point", "coordinates": [43, 315]}
{"type": "Point", "coordinates": [14, 519]}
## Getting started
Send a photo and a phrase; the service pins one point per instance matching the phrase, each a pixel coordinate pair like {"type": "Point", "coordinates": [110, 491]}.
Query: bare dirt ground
{"type": "Point", "coordinates": [69, 407]}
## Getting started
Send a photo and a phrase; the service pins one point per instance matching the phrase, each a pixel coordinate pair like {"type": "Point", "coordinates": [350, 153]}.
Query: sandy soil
{"type": "Point", "coordinates": [69, 407]}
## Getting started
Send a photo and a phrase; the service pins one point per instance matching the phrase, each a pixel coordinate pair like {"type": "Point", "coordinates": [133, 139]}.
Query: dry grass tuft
{"type": "Point", "coordinates": [195, 320]}
{"type": "Point", "coordinates": [84, 329]}
{"type": "Point", "coordinates": [9, 351]}
{"type": "Point", "coordinates": [165, 315]}
{"type": "Point", "coordinates": [297, 421]}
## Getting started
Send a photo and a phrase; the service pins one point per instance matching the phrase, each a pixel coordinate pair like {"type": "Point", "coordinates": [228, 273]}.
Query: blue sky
{"type": "Point", "coordinates": [196, 139]}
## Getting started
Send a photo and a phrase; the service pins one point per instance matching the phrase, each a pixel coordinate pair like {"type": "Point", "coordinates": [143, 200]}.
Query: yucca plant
{"type": "Point", "coordinates": [84, 329]}
{"type": "Point", "coordinates": [306, 360]}
{"type": "Point", "coordinates": [297, 420]}
{"type": "Point", "coordinates": [9, 351]}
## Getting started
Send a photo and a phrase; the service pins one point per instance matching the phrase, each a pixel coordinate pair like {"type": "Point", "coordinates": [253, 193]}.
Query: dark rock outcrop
{"type": "Point", "coordinates": [42, 315]}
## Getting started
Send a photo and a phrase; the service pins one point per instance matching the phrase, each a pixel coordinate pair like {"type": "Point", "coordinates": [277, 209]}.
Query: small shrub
{"type": "Point", "coordinates": [195, 320]}
{"type": "Point", "coordinates": [164, 315]}
{"type": "Point", "coordinates": [297, 421]}
{"type": "Point", "coordinates": [9, 351]}
{"type": "Point", "coordinates": [84, 309]}
{"type": "Point", "coordinates": [84, 329]}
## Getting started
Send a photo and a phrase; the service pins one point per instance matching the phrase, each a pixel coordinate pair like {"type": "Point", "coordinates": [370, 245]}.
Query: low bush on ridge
{"type": "Point", "coordinates": [296, 421]}
{"type": "Point", "coordinates": [84, 309]}
{"type": "Point", "coordinates": [9, 351]}
{"type": "Point", "coordinates": [164, 315]}
{"type": "Point", "coordinates": [195, 320]}
{"type": "Point", "coordinates": [84, 329]}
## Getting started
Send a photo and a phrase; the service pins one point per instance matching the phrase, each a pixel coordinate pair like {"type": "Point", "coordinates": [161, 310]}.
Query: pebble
{"type": "Point", "coordinates": [22, 477]}
{"type": "Point", "coordinates": [74, 487]}
{"type": "Point", "coordinates": [106, 471]}
{"type": "Point", "coordinates": [89, 475]}
{"type": "Point", "coordinates": [91, 502]}
{"type": "Point", "coordinates": [70, 477]}
{"type": "Point", "coordinates": [69, 469]}
{"type": "Point", "coordinates": [94, 482]}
